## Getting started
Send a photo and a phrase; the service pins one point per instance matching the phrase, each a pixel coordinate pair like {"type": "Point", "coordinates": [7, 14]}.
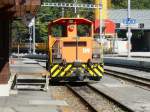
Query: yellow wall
{"type": "Point", "coordinates": [105, 4]}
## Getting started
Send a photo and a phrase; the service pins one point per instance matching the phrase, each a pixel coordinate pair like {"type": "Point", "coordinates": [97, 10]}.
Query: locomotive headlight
{"type": "Point", "coordinates": [95, 55]}
{"type": "Point", "coordinates": [59, 56]}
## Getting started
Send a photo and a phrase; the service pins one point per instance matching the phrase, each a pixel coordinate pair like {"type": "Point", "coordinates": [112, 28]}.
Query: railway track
{"type": "Point", "coordinates": [129, 77]}
{"type": "Point", "coordinates": [96, 100]}
{"type": "Point", "coordinates": [99, 101]}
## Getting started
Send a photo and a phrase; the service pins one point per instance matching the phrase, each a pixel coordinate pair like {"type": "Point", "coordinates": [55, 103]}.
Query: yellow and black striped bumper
{"type": "Point", "coordinates": [68, 71]}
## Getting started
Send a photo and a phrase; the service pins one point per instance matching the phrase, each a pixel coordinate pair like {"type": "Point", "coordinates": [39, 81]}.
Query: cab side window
{"type": "Point", "coordinates": [59, 31]}
{"type": "Point", "coordinates": [84, 30]}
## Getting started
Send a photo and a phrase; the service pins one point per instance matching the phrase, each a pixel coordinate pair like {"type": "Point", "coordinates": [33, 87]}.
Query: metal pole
{"type": "Point", "coordinates": [30, 39]}
{"type": "Point", "coordinates": [18, 50]}
{"type": "Point", "coordinates": [63, 12]}
{"type": "Point", "coordinates": [75, 8]}
{"type": "Point", "coordinates": [100, 31]}
{"type": "Point", "coordinates": [77, 48]}
{"type": "Point", "coordinates": [100, 21]}
{"type": "Point", "coordinates": [129, 28]}
{"type": "Point", "coordinates": [75, 11]}
{"type": "Point", "coordinates": [33, 35]}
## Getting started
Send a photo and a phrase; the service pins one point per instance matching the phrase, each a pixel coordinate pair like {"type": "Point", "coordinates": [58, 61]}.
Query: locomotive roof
{"type": "Point", "coordinates": [67, 20]}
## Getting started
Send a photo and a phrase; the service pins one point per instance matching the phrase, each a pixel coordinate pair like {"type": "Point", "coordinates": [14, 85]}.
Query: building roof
{"type": "Point", "coordinates": [141, 16]}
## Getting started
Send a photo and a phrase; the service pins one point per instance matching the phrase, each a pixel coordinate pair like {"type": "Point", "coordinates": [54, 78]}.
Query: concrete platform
{"type": "Point", "coordinates": [27, 66]}
{"type": "Point", "coordinates": [132, 61]}
{"type": "Point", "coordinates": [132, 54]}
{"type": "Point", "coordinates": [135, 98]}
{"type": "Point", "coordinates": [29, 99]}
{"type": "Point", "coordinates": [137, 54]}
{"type": "Point", "coordinates": [138, 73]}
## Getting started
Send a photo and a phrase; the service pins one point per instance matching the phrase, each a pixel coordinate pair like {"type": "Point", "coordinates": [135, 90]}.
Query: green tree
{"type": "Point", "coordinates": [19, 32]}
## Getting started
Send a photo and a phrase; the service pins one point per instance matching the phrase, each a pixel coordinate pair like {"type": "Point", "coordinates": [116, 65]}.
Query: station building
{"type": "Point", "coordinates": [140, 37]}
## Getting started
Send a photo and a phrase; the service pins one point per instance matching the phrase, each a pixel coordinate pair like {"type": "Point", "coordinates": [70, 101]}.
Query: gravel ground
{"type": "Point", "coordinates": [74, 103]}
{"type": "Point", "coordinates": [101, 103]}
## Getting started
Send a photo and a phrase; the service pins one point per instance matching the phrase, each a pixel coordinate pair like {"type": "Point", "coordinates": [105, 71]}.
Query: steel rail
{"type": "Point", "coordinates": [129, 77]}
{"type": "Point", "coordinates": [115, 101]}
{"type": "Point", "coordinates": [93, 109]}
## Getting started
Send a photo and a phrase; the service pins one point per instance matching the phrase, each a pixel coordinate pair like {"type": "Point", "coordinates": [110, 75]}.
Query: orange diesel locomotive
{"type": "Point", "coordinates": [73, 54]}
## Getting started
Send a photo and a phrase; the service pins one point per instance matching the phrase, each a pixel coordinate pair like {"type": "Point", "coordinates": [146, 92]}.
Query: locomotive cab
{"type": "Point", "coordinates": [71, 49]}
